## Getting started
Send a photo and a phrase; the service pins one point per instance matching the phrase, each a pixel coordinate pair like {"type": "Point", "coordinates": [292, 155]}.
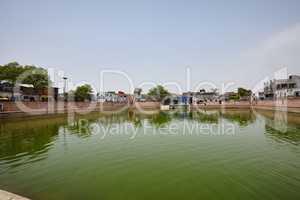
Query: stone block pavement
{"type": "Point", "coordinates": [10, 196]}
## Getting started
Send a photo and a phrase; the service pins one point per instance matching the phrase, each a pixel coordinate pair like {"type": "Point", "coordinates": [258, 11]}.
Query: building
{"type": "Point", "coordinates": [122, 97]}
{"type": "Point", "coordinates": [109, 96]}
{"type": "Point", "coordinates": [203, 96]}
{"type": "Point", "coordinates": [199, 97]}
{"type": "Point", "coordinates": [186, 98]}
{"type": "Point", "coordinates": [46, 94]}
{"type": "Point", "coordinates": [282, 88]}
{"type": "Point", "coordinates": [112, 96]}
{"type": "Point", "coordinates": [228, 96]}
{"type": "Point", "coordinates": [137, 93]}
{"type": "Point", "coordinates": [207, 96]}
{"type": "Point", "coordinates": [288, 87]}
{"type": "Point", "coordinates": [5, 90]}
{"type": "Point", "coordinates": [27, 92]}
{"type": "Point", "coordinates": [269, 90]}
{"type": "Point", "coordinates": [178, 100]}
{"type": "Point", "coordinates": [261, 95]}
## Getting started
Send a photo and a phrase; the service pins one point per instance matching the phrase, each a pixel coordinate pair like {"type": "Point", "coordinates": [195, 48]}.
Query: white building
{"type": "Point", "coordinates": [112, 96]}
{"type": "Point", "coordinates": [137, 93]}
{"type": "Point", "coordinates": [287, 87]}
{"type": "Point", "coordinates": [282, 88]}
{"type": "Point", "coordinates": [203, 96]}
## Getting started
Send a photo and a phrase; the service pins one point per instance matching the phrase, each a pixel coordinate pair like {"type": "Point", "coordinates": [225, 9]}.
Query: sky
{"type": "Point", "coordinates": [187, 44]}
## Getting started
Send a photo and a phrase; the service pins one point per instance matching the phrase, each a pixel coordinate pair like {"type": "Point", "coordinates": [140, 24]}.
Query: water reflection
{"type": "Point", "coordinates": [42, 156]}
{"type": "Point", "coordinates": [136, 120]}
{"type": "Point", "coordinates": [291, 135]}
{"type": "Point", "coordinates": [282, 126]}
{"type": "Point", "coordinates": [24, 142]}
{"type": "Point", "coordinates": [206, 117]}
{"type": "Point", "coordinates": [35, 137]}
{"type": "Point", "coordinates": [160, 120]}
{"type": "Point", "coordinates": [83, 125]}
{"type": "Point", "coordinates": [243, 117]}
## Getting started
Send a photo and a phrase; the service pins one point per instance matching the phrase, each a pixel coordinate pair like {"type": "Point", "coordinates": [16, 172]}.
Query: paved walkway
{"type": "Point", "coordinates": [10, 196]}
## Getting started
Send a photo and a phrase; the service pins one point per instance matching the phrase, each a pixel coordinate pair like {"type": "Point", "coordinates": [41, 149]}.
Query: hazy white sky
{"type": "Point", "coordinates": [154, 41]}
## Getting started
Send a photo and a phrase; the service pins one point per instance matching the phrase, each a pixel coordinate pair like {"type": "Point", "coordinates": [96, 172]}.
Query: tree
{"type": "Point", "coordinates": [83, 92]}
{"type": "Point", "coordinates": [10, 72]}
{"type": "Point", "coordinates": [158, 92]}
{"type": "Point", "coordinates": [28, 74]}
{"type": "Point", "coordinates": [38, 77]}
{"type": "Point", "coordinates": [244, 92]}
{"type": "Point", "coordinates": [234, 96]}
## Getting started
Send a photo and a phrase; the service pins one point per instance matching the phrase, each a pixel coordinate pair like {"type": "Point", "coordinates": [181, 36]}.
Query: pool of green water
{"type": "Point", "coordinates": [231, 154]}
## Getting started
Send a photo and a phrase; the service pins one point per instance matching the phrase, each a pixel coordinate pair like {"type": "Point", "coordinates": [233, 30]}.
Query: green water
{"type": "Point", "coordinates": [236, 154]}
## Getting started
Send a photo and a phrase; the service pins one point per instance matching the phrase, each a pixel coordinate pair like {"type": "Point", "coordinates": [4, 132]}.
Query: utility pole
{"type": "Point", "coordinates": [65, 86]}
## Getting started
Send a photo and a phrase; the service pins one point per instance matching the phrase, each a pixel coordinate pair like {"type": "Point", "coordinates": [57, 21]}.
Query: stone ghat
{"type": "Point", "coordinates": [10, 196]}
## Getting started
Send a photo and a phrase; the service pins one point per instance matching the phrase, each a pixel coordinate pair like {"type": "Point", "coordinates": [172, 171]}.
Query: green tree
{"type": "Point", "coordinates": [158, 92]}
{"type": "Point", "coordinates": [244, 92]}
{"type": "Point", "coordinates": [38, 77]}
{"type": "Point", "coordinates": [29, 74]}
{"type": "Point", "coordinates": [83, 92]}
{"type": "Point", "coordinates": [234, 96]}
{"type": "Point", "coordinates": [10, 72]}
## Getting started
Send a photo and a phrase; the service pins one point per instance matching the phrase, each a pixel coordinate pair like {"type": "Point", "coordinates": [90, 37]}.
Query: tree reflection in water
{"type": "Point", "coordinates": [291, 135]}
{"type": "Point", "coordinates": [160, 120]}
{"type": "Point", "coordinates": [35, 137]}
{"type": "Point", "coordinates": [206, 117]}
{"type": "Point", "coordinates": [28, 141]}
{"type": "Point", "coordinates": [243, 117]}
{"type": "Point", "coordinates": [282, 126]}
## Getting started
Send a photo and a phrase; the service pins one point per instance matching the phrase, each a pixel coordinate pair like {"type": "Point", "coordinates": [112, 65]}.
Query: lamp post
{"type": "Point", "coordinates": [65, 85]}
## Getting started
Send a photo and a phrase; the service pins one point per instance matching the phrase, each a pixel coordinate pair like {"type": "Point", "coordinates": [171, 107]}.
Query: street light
{"type": "Point", "coordinates": [65, 85]}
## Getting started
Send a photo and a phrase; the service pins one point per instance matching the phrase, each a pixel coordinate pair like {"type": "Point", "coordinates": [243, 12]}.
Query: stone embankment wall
{"type": "Point", "coordinates": [288, 105]}
{"type": "Point", "coordinates": [14, 109]}
{"type": "Point", "coordinates": [228, 105]}
{"type": "Point", "coordinates": [38, 108]}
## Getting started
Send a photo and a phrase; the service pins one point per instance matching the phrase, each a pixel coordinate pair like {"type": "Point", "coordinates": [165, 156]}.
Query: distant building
{"type": "Point", "coordinates": [112, 96]}
{"type": "Point", "coordinates": [208, 96]}
{"type": "Point", "coordinates": [122, 96]}
{"type": "Point", "coordinates": [121, 93]}
{"type": "Point", "coordinates": [288, 87]}
{"type": "Point", "coordinates": [282, 88]}
{"type": "Point", "coordinates": [186, 98]}
{"type": "Point", "coordinates": [109, 96]}
{"type": "Point", "coordinates": [183, 99]}
{"type": "Point", "coordinates": [5, 90]}
{"type": "Point", "coordinates": [137, 93]}
{"type": "Point", "coordinates": [228, 96]}
{"type": "Point", "coordinates": [261, 95]}
{"type": "Point", "coordinates": [199, 97]}
{"type": "Point", "coordinates": [46, 94]}
{"type": "Point", "coordinates": [203, 96]}
{"type": "Point", "coordinates": [27, 92]}
{"type": "Point", "coordinates": [269, 90]}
